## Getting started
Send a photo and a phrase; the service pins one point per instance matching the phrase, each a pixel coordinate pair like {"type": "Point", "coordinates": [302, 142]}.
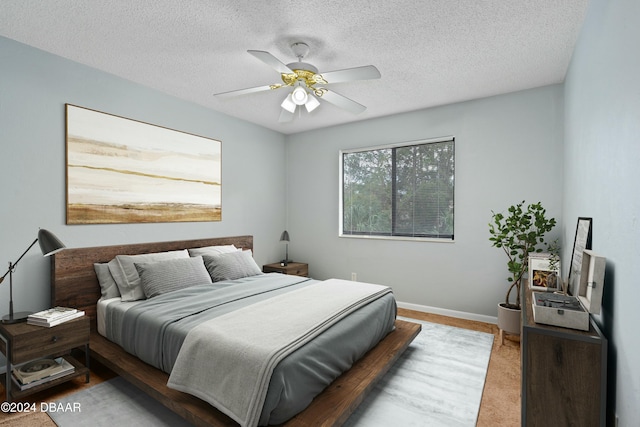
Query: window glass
{"type": "Point", "coordinates": [405, 190]}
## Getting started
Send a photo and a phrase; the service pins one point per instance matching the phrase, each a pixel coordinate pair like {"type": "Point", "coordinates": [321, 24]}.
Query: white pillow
{"type": "Point", "coordinates": [124, 272]}
{"type": "Point", "coordinates": [213, 250]}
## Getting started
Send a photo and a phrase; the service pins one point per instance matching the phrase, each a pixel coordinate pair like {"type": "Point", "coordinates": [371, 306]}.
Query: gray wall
{"type": "Point", "coordinates": [34, 87]}
{"type": "Point", "coordinates": [508, 149]}
{"type": "Point", "coordinates": [602, 172]}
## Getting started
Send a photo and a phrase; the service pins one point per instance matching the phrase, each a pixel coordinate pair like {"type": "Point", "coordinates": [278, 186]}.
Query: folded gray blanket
{"type": "Point", "coordinates": [228, 361]}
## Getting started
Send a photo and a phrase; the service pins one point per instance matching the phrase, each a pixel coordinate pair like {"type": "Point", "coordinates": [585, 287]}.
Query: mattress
{"type": "Point", "coordinates": [116, 308]}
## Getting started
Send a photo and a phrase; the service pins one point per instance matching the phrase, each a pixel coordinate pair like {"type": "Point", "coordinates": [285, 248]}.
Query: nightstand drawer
{"type": "Point", "coordinates": [40, 341]}
{"type": "Point", "coordinates": [292, 268]}
{"type": "Point", "coordinates": [302, 270]}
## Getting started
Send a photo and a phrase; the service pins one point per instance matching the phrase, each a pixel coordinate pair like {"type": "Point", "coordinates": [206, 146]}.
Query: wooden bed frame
{"type": "Point", "coordinates": [74, 284]}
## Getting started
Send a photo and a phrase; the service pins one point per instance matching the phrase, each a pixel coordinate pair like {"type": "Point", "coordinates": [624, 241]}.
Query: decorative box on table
{"type": "Point", "coordinates": [570, 311]}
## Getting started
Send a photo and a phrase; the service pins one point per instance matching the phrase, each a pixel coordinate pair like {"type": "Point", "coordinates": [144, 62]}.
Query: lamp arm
{"type": "Point", "coordinates": [13, 266]}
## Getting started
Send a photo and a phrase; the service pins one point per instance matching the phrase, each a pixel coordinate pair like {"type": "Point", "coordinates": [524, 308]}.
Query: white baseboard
{"type": "Point", "coordinates": [450, 313]}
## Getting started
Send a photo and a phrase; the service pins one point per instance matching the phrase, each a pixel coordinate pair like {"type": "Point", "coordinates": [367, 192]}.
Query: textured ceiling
{"type": "Point", "coordinates": [429, 52]}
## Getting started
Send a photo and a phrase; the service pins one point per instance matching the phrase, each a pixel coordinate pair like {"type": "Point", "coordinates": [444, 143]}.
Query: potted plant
{"type": "Point", "coordinates": [518, 233]}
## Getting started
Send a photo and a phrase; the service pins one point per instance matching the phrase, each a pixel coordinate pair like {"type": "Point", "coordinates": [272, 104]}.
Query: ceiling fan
{"type": "Point", "coordinates": [308, 85]}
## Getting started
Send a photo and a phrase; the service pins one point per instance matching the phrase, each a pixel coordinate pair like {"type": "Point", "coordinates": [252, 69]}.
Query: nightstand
{"type": "Point", "coordinates": [21, 343]}
{"type": "Point", "coordinates": [292, 268]}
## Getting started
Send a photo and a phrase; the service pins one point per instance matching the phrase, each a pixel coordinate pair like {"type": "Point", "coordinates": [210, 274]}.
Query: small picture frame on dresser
{"type": "Point", "coordinates": [542, 277]}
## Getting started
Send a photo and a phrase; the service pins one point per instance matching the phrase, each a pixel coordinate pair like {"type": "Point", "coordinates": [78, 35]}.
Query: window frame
{"type": "Point", "coordinates": [341, 154]}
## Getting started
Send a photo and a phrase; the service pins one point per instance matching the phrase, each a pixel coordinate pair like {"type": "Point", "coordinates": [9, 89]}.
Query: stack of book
{"type": "Point", "coordinates": [54, 316]}
{"type": "Point", "coordinates": [41, 371]}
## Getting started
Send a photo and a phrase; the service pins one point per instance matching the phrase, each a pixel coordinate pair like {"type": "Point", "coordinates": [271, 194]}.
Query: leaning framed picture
{"type": "Point", "coordinates": [581, 242]}
{"type": "Point", "coordinates": [121, 170]}
{"type": "Point", "coordinates": [543, 276]}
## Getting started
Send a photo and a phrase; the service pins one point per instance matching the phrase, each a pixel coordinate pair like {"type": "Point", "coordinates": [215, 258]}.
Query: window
{"type": "Point", "coordinates": [402, 191]}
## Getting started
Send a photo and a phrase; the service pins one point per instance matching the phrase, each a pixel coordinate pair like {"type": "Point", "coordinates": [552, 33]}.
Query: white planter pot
{"type": "Point", "coordinates": [509, 320]}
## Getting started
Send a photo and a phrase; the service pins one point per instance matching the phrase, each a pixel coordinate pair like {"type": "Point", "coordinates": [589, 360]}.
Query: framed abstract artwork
{"type": "Point", "coordinates": [125, 171]}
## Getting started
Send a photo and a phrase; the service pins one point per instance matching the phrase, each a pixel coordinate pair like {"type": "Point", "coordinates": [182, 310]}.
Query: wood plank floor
{"type": "Point", "coordinates": [500, 400]}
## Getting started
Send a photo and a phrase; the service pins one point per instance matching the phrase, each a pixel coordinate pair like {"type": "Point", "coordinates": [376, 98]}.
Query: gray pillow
{"type": "Point", "coordinates": [108, 286]}
{"type": "Point", "coordinates": [230, 266]}
{"type": "Point", "coordinates": [166, 276]}
{"type": "Point", "coordinates": [126, 275]}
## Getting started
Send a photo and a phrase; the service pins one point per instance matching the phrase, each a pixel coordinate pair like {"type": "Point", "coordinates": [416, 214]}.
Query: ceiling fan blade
{"type": "Point", "coordinates": [285, 116]}
{"type": "Point", "coordinates": [271, 61]}
{"type": "Point", "coordinates": [246, 91]}
{"type": "Point", "coordinates": [343, 102]}
{"type": "Point", "coordinates": [366, 72]}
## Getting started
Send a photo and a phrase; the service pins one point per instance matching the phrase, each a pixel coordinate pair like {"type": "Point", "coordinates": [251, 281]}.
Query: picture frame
{"type": "Point", "coordinates": [121, 170]}
{"type": "Point", "coordinates": [583, 240]}
{"type": "Point", "coordinates": [541, 276]}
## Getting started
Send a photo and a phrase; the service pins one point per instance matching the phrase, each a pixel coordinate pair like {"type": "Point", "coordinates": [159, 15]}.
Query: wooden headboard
{"type": "Point", "coordinates": [73, 278]}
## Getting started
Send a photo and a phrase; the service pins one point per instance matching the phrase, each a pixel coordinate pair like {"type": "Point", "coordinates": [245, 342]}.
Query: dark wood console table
{"type": "Point", "coordinates": [564, 373]}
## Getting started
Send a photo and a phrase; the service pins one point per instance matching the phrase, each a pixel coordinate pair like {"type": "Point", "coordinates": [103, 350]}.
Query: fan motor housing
{"type": "Point", "coordinates": [304, 72]}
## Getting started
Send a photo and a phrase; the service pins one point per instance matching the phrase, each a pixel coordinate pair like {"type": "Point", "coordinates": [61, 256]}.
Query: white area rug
{"type": "Point", "coordinates": [438, 381]}
{"type": "Point", "coordinates": [114, 403]}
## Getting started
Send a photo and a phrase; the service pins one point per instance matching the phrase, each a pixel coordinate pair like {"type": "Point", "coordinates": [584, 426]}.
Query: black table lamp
{"type": "Point", "coordinates": [285, 238]}
{"type": "Point", "coordinates": [49, 245]}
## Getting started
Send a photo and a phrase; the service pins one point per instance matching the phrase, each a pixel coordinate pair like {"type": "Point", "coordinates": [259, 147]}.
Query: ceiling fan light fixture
{"type": "Point", "coordinates": [303, 80]}
{"type": "Point", "coordinates": [312, 104]}
{"type": "Point", "coordinates": [299, 96]}
{"type": "Point", "coordinates": [288, 104]}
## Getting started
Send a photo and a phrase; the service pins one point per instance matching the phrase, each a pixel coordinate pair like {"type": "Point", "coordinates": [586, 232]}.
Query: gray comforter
{"type": "Point", "coordinates": [155, 329]}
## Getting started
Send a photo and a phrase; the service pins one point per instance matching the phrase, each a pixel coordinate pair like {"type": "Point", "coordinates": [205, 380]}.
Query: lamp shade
{"type": "Point", "coordinates": [288, 104]}
{"type": "Point", "coordinates": [49, 243]}
{"type": "Point", "coordinates": [312, 104]}
{"type": "Point", "coordinates": [299, 96]}
{"type": "Point", "coordinates": [284, 237]}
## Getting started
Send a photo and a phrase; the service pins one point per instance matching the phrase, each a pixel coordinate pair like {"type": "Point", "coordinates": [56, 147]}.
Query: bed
{"type": "Point", "coordinates": [74, 283]}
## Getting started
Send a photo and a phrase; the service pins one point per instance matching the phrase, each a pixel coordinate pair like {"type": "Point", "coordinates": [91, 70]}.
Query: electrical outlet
{"type": "Point", "coordinates": [354, 277]}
